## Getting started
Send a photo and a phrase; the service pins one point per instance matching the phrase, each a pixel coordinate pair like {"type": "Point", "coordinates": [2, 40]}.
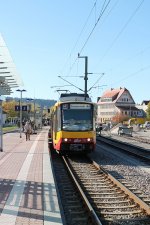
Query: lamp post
{"type": "Point", "coordinates": [20, 110]}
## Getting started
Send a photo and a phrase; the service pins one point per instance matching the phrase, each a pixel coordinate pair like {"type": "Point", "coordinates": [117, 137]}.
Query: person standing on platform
{"type": "Point", "coordinates": [27, 130]}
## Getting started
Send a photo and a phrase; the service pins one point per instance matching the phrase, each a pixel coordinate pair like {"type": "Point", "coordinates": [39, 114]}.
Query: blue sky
{"type": "Point", "coordinates": [45, 37]}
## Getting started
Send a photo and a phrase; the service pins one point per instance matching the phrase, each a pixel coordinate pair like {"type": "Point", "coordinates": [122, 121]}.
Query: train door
{"type": "Point", "coordinates": [56, 126]}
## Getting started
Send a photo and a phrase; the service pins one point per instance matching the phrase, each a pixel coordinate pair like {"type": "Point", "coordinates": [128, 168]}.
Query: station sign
{"type": "Point", "coordinates": [17, 107]}
{"type": "Point", "coordinates": [24, 107]}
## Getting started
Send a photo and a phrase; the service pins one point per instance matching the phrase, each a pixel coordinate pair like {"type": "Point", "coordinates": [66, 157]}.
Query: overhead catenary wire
{"type": "Point", "coordinates": [96, 22]}
{"type": "Point", "coordinates": [80, 34]}
{"type": "Point", "coordinates": [120, 32]}
{"type": "Point", "coordinates": [122, 29]}
{"type": "Point", "coordinates": [71, 83]}
{"type": "Point", "coordinates": [96, 82]}
{"type": "Point", "coordinates": [133, 74]}
{"type": "Point", "coordinates": [117, 36]}
{"type": "Point", "coordinates": [132, 57]}
{"type": "Point", "coordinates": [103, 9]}
{"type": "Point", "coordinates": [84, 26]}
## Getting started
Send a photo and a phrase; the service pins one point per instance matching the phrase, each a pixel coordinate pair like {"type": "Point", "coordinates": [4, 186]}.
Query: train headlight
{"type": "Point", "coordinates": [67, 140]}
{"type": "Point", "coordinates": [89, 139]}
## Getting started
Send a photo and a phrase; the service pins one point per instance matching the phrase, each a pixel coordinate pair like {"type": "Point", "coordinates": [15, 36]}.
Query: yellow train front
{"type": "Point", "coordinates": [73, 126]}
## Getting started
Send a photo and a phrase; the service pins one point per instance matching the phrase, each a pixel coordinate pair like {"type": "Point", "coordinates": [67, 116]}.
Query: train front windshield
{"type": "Point", "coordinates": [77, 117]}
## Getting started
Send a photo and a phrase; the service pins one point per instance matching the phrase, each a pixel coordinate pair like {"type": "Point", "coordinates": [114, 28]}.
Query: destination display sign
{"type": "Point", "coordinates": [80, 106]}
{"type": "Point", "coordinates": [76, 106]}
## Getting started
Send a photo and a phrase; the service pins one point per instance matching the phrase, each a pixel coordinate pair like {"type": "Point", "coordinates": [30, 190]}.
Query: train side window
{"type": "Point", "coordinates": [54, 122]}
{"type": "Point", "coordinates": [58, 119]}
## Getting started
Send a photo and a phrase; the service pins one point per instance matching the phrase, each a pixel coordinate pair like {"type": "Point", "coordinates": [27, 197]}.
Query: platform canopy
{"type": "Point", "coordinates": [9, 77]}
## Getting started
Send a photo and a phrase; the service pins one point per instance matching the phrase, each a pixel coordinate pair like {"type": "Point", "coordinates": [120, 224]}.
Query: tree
{"type": "Point", "coordinates": [118, 118]}
{"type": "Point", "coordinates": [9, 108]}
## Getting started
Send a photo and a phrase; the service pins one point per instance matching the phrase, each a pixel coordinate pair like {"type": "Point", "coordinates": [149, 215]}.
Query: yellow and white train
{"type": "Point", "coordinates": [73, 124]}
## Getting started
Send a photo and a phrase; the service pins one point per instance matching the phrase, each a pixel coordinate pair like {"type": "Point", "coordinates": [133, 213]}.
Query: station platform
{"type": "Point", "coordinates": [27, 188]}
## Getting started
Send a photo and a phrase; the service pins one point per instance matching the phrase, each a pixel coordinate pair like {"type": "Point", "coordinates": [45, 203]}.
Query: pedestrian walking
{"type": "Point", "coordinates": [99, 129]}
{"type": "Point", "coordinates": [109, 126]}
{"type": "Point", "coordinates": [27, 130]}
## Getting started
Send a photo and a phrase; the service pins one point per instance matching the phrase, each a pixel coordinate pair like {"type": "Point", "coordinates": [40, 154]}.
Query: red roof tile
{"type": "Point", "coordinates": [111, 93]}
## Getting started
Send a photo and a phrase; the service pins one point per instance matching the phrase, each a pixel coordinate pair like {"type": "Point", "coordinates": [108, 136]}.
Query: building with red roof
{"type": "Point", "coordinates": [116, 101]}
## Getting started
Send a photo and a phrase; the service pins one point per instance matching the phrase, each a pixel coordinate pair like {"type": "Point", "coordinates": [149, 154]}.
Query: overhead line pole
{"type": "Point", "coordinates": [86, 73]}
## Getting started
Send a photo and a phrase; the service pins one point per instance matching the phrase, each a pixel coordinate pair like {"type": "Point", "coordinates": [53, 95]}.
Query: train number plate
{"type": "Point", "coordinates": [76, 147]}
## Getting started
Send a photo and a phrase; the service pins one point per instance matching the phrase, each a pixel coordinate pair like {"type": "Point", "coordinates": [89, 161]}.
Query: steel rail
{"type": "Point", "coordinates": [136, 199]}
{"type": "Point", "coordinates": [90, 208]}
{"type": "Point", "coordinates": [125, 147]}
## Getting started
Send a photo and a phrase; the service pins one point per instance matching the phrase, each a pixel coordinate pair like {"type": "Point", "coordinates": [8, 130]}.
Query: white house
{"type": "Point", "coordinates": [143, 106]}
{"type": "Point", "coordinates": [116, 101]}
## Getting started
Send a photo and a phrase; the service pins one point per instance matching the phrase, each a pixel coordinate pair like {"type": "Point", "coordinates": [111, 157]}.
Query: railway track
{"type": "Point", "coordinates": [75, 205]}
{"type": "Point", "coordinates": [137, 151]}
{"type": "Point", "coordinates": [109, 202]}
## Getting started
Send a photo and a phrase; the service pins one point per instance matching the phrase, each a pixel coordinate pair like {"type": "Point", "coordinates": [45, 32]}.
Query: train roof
{"type": "Point", "coordinates": [74, 97]}
{"type": "Point", "coordinates": [57, 104]}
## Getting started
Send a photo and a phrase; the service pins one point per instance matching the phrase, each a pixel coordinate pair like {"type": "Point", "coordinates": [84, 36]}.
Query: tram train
{"type": "Point", "coordinates": [73, 124]}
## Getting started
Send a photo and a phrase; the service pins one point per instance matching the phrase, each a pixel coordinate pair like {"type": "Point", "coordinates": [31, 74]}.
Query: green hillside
{"type": "Point", "coordinates": [47, 103]}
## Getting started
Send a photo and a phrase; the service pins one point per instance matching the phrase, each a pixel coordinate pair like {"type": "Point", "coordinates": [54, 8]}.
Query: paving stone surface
{"type": "Point", "coordinates": [27, 189]}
